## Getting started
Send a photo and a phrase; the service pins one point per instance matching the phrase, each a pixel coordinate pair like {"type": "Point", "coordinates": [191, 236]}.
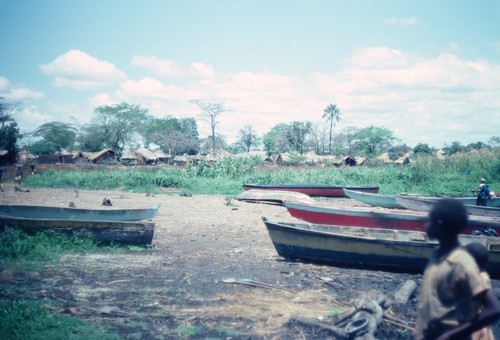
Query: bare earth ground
{"type": "Point", "coordinates": [176, 288]}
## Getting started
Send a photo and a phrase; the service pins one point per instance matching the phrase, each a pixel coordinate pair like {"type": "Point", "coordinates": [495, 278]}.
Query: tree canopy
{"type": "Point", "coordinates": [118, 123]}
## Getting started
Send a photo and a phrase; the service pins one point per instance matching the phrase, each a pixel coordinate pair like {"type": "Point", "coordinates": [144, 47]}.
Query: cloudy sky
{"type": "Point", "coordinates": [427, 70]}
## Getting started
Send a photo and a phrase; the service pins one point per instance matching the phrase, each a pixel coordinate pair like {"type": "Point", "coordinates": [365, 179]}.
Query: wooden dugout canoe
{"type": "Point", "coordinates": [311, 189]}
{"type": "Point", "coordinates": [421, 204]}
{"type": "Point", "coordinates": [383, 249]}
{"type": "Point", "coordinates": [105, 214]}
{"type": "Point", "coordinates": [372, 217]}
{"type": "Point", "coordinates": [124, 232]}
{"type": "Point", "coordinates": [273, 196]}
{"type": "Point", "coordinates": [376, 200]}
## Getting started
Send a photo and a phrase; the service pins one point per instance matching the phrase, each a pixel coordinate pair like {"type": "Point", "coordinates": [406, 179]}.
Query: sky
{"type": "Point", "coordinates": [427, 70]}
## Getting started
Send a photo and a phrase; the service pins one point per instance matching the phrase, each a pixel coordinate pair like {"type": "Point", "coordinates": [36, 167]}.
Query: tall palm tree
{"type": "Point", "coordinates": [332, 114]}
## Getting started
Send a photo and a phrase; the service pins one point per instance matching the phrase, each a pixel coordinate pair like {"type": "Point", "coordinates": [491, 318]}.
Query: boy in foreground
{"type": "Point", "coordinates": [452, 286]}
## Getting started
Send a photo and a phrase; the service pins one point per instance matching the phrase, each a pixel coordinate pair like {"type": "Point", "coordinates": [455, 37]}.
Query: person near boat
{"type": "Point", "coordinates": [455, 300]}
{"type": "Point", "coordinates": [483, 193]}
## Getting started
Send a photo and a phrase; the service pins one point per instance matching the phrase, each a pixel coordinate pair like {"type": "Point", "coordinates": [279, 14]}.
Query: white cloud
{"type": "Point", "coordinates": [434, 100]}
{"type": "Point", "coordinates": [18, 92]}
{"type": "Point", "coordinates": [440, 99]}
{"type": "Point", "coordinates": [401, 22]}
{"type": "Point", "coordinates": [158, 66]}
{"type": "Point", "coordinates": [80, 71]}
{"type": "Point", "coordinates": [150, 88]}
{"type": "Point", "coordinates": [202, 70]}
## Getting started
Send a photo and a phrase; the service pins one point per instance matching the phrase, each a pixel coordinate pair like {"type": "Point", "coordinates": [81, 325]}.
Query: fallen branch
{"type": "Point", "coordinates": [337, 332]}
{"type": "Point", "coordinates": [257, 284]}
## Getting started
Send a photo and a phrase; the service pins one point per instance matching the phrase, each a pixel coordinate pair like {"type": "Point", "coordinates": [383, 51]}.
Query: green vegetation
{"type": "Point", "coordinates": [28, 320]}
{"type": "Point", "coordinates": [21, 251]}
{"type": "Point", "coordinates": [455, 175]}
{"type": "Point", "coordinates": [32, 319]}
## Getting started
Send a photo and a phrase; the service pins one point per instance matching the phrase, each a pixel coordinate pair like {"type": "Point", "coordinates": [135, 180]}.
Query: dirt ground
{"type": "Point", "coordinates": [177, 288]}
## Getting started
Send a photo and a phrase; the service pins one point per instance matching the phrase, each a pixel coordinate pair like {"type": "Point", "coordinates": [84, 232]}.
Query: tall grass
{"type": "Point", "coordinates": [454, 175]}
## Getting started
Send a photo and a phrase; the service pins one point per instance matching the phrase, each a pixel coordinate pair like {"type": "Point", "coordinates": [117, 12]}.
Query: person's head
{"type": "Point", "coordinates": [480, 253]}
{"type": "Point", "coordinates": [447, 218]}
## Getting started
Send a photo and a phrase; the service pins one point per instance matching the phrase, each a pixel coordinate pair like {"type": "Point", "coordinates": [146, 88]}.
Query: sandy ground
{"type": "Point", "coordinates": [179, 287]}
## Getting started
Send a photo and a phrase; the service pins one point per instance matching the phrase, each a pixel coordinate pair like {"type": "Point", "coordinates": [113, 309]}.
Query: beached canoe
{"type": "Point", "coordinates": [273, 196]}
{"type": "Point", "coordinates": [123, 232]}
{"type": "Point", "coordinates": [373, 217]}
{"type": "Point", "coordinates": [376, 200]}
{"type": "Point", "coordinates": [382, 249]}
{"type": "Point", "coordinates": [104, 214]}
{"type": "Point", "coordinates": [311, 189]}
{"type": "Point", "coordinates": [422, 204]}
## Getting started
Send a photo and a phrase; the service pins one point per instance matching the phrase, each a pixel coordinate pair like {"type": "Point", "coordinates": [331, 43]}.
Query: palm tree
{"type": "Point", "coordinates": [332, 114]}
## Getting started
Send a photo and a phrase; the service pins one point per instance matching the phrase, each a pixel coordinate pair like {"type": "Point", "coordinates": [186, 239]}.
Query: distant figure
{"type": "Point", "coordinates": [19, 175]}
{"type": "Point", "coordinates": [106, 202]}
{"type": "Point", "coordinates": [452, 287]}
{"type": "Point", "coordinates": [480, 253]}
{"type": "Point", "coordinates": [483, 193]}
{"type": "Point", "coordinates": [32, 171]}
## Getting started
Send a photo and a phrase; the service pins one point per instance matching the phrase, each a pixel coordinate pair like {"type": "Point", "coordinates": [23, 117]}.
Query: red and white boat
{"type": "Point", "coordinates": [372, 217]}
{"type": "Point", "coordinates": [313, 190]}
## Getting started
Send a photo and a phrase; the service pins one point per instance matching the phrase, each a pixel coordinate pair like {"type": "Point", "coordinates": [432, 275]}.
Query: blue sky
{"type": "Point", "coordinates": [427, 70]}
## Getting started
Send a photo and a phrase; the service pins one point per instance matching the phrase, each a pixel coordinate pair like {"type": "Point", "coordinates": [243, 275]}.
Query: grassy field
{"type": "Point", "coordinates": [455, 176]}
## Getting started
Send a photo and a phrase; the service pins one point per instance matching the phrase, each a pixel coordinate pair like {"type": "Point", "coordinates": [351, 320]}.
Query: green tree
{"type": "Point", "coordinates": [275, 140]}
{"type": "Point", "coordinates": [60, 135]}
{"type": "Point", "coordinates": [296, 135]}
{"type": "Point", "coordinates": [422, 149]}
{"type": "Point", "coordinates": [174, 136]}
{"type": "Point", "coordinates": [212, 111]}
{"type": "Point", "coordinates": [288, 137]}
{"type": "Point", "coordinates": [332, 114]}
{"type": "Point", "coordinates": [454, 148]}
{"type": "Point", "coordinates": [374, 140]}
{"type": "Point", "coordinates": [494, 141]}
{"type": "Point", "coordinates": [43, 147]}
{"type": "Point", "coordinates": [207, 144]}
{"type": "Point", "coordinates": [9, 132]}
{"type": "Point", "coordinates": [91, 138]}
{"type": "Point", "coordinates": [248, 137]}
{"type": "Point", "coordinates": [349, 135]}
{"type": "Point", "coordinates": [6, 111]}
{"type": "Point", "coordinates": [9, 135]}
{"type": "Point", "coordinates": [119, 123]}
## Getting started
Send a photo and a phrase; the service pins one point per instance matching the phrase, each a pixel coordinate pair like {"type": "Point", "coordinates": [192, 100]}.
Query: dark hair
{"type": "Point", "coordinates": [451, 214]}
{"type": "Point", "coordinates": [479, 252]}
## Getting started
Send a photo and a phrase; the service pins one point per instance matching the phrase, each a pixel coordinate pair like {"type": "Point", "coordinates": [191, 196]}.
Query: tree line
{"type": "Point", "coordinates": [124, 125]}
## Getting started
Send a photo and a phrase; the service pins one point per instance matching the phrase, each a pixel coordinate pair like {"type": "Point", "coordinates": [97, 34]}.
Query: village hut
{"type": "Point", "coordinates": [24, 156]}
{"type": "Point", "coordinates": [403, 160]}
{"type": "Point", "coordinates": [146, 156]}
{"type": "Point", "coordinates": [162, 157]}
{"type": "Point", "coordinates": [180, 160]}
{"type": "Point", "coordinates": [128, 157]}
{"type": "Point", "coordinates": [65, 156]}
{"type": "Point", "coordinates": [103, 156]}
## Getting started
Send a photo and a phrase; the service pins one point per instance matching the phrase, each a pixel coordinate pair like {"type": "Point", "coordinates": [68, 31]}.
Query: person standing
{"type": "Point", "coordinates": [452, 286]}
{"type": "Point", "coordinates": [483, 193]}
{"type": "Point", "coordinates": [19, 174]}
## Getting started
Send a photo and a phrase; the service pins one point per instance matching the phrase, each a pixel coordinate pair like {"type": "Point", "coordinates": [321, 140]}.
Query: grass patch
{"type": "Point", "coordinates": [19, 250]}
{"type": "Point", "coordinates": [26, 320]}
